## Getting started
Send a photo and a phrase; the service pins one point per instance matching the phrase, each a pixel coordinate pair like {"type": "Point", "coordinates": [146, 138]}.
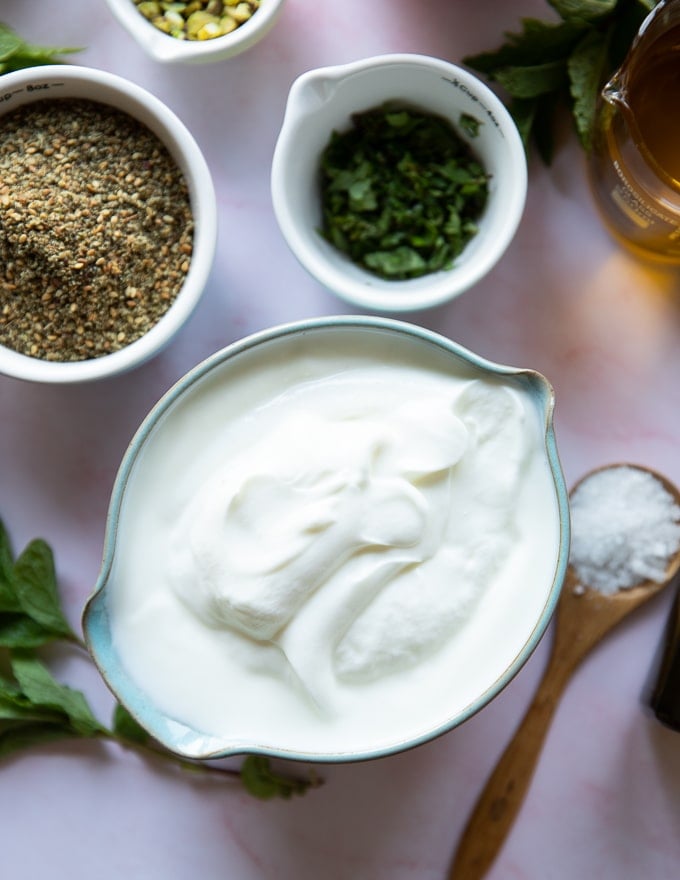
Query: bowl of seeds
{"type": "Point", "coordinates": [108, 224]}
{"type": "Point", "coordinates": [398, 181]}
{"type": "Point", "coordinates": [197, 30]}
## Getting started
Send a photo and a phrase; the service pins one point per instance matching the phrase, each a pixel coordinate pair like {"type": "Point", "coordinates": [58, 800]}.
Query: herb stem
{"type": "Point", "coordinates": [295, 783]}
{"type": "Point", "coordinates": [183, 763]}
{"type": "Point", "coordinates": [78, 642]}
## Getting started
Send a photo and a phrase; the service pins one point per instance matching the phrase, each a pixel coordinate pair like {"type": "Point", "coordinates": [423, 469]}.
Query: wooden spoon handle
{"type": "Point", "coordinates": [502, 796]}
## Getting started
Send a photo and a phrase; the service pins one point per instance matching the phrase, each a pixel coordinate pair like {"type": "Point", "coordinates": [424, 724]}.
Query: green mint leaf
{"type": "Point", "coordinates": [9, 43]}
{"type": "Point", "coordinates": [523, 111]}
{"type": "Point", "coordinates": [16, 706]}
{"type": "Point", "coordinates": [44, 54]}
{"type": "Point", "coordinates": [622, 29]}
{"type": "Point", "coordinates": [24, 59]}
{"type": "Point", "coordinates": [257, 777]}
{"type": "Point", "coordinates": [262, 782]}
{"type": "Point", "coordinates": [17, 737]}
{"type": "Point", "coordinates": [21, 631]}
{"type": "Point", "coordinates": [588, 66]}
{"type": "Point", "coordinates": [19, 708]}
{"type": "Point", "coordinates": [35, 584]}
{"type": "Point", "coordinates": [6, 554]}
{"type": "Point", "coordinates": [8, 598]}
{"type": "Point", "coordinates": [38, 685]}
{"type": "Point", "coordinates": [9, 688]}
{"type": "Point", "coordinates": [539, 42]}
{"type": "Point", "coordinates": [127, 728]}
{"type": "Point", "coordinates": [16, 53]}
{"type": "Point", "coordinates": [398, 263]}
{"type": "Point", "coordinates": [530, 82]}
{"type": "Point", "coordinates": [361, 196]}
{"type": "Point", "coordinates": [542, 132]}
{"type": "Point", "coordinates": [470, 124]}
{"type": "Point", "coordinates": [585, 10]}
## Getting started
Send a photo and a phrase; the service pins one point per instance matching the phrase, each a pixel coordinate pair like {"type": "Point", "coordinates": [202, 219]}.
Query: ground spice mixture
{"type": "Point", "coordinates": [96, 229]}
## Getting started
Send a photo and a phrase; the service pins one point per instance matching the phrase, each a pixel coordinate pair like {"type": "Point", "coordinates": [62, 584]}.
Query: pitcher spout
{"type": "Point", "coordinates": [614, 92]}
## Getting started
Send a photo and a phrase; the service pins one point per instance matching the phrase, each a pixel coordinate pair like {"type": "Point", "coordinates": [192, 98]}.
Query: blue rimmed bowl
{"type": "Point", "coordinates": [168, 434]}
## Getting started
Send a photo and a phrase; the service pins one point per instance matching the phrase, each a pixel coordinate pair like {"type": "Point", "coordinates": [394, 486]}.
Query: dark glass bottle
{"type": "Point", "coordinates": [665, 698]}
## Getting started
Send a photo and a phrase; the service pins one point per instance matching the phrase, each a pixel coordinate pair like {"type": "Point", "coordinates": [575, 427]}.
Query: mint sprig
{"type": "Point", "coordinates": [564, 64]}
{"type": "Point", "coordinates": [30, 609]}
{"type": "Point", "coordinates": [260, 779]}
{"type": "Point", "coordinates": [36, 709]}
{"type": "Point", "coordinates": [16, 53]}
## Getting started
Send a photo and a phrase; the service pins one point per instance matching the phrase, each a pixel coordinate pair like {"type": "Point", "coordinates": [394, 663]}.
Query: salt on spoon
{"type": "Point", "coordinates": [625, 549]}
{"type": "Point", "coordinates": [624, 528]}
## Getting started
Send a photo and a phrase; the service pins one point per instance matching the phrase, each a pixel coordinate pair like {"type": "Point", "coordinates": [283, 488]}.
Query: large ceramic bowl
{"type": "Point", "coordinates": [322, 101]}
{"type": "Point", "coordinates": [153, 647]}
{"type": "Point", "coordinates": [58, 82]}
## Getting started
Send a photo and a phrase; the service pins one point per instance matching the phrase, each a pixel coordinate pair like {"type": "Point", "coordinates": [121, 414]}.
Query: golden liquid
{"type": "Point", "coordinates": [635, 161]}
{"type": "Point", "coordinates": [654, 98]}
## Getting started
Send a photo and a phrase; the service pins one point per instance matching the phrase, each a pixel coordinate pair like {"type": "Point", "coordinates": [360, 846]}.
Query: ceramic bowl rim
{"type": "Point", "coordinates": [95, 604]}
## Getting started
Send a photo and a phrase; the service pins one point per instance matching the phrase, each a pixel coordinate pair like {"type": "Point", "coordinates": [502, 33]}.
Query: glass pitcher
{"type": "Point", "coordinates": [635, 160]}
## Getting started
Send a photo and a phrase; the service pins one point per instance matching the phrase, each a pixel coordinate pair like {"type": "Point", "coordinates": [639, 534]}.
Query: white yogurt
{"type": "Point", "coordinates": [333, 550]}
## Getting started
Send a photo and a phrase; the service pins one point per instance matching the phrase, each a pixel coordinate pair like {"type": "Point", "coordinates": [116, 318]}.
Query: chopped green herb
{"type": "Point", "coordinates": [401, 192]}
{"type": "Point", "coordinates": [469, 124]}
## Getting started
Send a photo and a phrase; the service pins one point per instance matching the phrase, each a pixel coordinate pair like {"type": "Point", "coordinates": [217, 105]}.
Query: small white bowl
{"type": "Point", "coordinates": [322, 101]}
{"type": "Point", "coordinates": [166, 49]}
{"type": "Point", "coordinates": [67, 81]}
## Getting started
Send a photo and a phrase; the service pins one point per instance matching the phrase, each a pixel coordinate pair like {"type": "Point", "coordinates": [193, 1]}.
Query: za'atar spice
{"type": "Point", "coordinates": [96, 229]}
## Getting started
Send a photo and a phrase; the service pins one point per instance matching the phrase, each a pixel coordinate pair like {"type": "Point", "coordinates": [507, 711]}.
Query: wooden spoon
{"type": "Point", "coordinates": [583, 617]}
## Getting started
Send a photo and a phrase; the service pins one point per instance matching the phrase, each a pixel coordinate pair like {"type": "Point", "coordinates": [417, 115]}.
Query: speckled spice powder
{"type": "Point", "coordinates": [95, 230]}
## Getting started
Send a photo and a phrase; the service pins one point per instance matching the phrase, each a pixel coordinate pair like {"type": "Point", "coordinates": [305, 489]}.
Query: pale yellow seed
{"type": "Point", "coordinates": [242, 12]}
{"type": "Point", "coordinates": [209, 31]}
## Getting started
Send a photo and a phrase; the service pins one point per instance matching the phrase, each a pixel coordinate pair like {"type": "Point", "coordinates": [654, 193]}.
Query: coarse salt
{"type": "Point", "coordinates": [625, 528]}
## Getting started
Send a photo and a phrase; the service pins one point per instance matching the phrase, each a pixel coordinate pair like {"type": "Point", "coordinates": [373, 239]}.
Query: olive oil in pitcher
{"type": "Point", "coordinates": [635, 160]}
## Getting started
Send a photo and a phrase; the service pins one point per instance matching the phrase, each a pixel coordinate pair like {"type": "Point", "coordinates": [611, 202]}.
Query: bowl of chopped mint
{"type": "Point", "coordinates": [398, 181]}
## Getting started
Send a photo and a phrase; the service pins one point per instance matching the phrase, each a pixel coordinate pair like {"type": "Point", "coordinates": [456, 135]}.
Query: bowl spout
{"type": "Point", "coordinates": [311, 91]}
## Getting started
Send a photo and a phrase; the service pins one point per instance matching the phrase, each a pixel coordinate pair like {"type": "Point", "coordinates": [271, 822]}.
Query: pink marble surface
{"type": "Point", "coordinates": [605, 801]}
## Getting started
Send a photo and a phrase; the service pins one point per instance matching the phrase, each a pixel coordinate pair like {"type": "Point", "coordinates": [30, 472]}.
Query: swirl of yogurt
{"type": "Point", "coordinates": [369, 514]}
